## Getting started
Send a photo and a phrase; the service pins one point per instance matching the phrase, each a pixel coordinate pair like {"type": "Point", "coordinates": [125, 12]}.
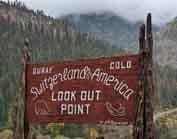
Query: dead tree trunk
{"type": "Point", "coordinates": [144, 125]}
{"type": "Point", "coordinates": [21, 126]}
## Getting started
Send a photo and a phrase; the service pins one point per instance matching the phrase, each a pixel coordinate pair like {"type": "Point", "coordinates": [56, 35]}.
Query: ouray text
{"type": "Point", "coordinates": [42, 70]}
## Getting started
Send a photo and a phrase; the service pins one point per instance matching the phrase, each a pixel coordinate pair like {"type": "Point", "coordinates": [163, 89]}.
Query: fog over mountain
{"type": "Point", "coordinates": [134, 10]}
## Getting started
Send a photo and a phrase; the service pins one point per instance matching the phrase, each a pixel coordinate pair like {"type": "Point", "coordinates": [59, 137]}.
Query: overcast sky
{"type": "Point", "coordinates": [134, 10]}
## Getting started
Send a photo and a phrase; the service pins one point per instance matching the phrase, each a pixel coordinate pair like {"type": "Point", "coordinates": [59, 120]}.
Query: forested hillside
{"type": "Point", "coordinates": [166, 44]}
{"type": "Point", "coordinates": [56, 39]}
{"type": "Point", "coordinates": [49, 40]}
{"type": "Point", "coordinates": [108, 26]}
{"type": "Point", "coordinates": [124, 34]}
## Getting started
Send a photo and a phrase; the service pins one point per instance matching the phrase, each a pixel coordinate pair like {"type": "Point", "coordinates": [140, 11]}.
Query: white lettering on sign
{"type": "Point", "coordinates": [85, 95]}
{"type": "Point", "coordinates": [120, 87]}
{"type": "Point", "coordinates": [74, 109]}
{"type": "Point", "coordinates": [71, 96]}
{"type": "Point", "coordinates": [64, 96]}
{"type": "Point", "coordinates": [42, 70]}
{"type": "Point", "coordinates": [90, 95]}
{"type": "Point", "coordinates": [117, 65]}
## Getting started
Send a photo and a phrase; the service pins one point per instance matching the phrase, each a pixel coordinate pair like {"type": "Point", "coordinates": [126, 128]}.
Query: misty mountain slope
{"type": "Point", "coordinates": [108, 26]}
{"type": "Point", "coordinates": [50, 39]}
{"type": "Point", "coordinates": [166, 44]}
{"type": "Point", "coordinates": [124, 34]}
{"type": "Point", "coordinates": [101, 25]}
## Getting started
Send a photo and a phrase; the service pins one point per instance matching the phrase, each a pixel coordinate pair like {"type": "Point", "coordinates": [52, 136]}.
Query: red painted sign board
{"type": "Point", "coordinates": [84, 91]}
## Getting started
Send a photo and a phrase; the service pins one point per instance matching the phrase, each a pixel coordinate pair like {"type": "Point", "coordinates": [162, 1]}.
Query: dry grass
{"type": "Point", "coordinates": [6, 134]}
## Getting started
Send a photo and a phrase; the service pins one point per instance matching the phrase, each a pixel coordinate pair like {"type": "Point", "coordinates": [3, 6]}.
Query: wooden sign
{"type": "Point", "coordinates": [84, 91]}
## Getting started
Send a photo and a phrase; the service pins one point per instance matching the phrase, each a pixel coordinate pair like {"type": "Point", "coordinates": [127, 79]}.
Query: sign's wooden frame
{"type": "Point", "coordinates": [143, 127]}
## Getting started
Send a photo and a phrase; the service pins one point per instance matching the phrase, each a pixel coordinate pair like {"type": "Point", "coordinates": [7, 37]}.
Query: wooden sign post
{"type": "Point", "coordinates": [144, 125]}
{"type": "Point", "coordinates": [27, 131]}
{"type": "Point", "coordinates": [22, 128]}
{"type": "Point", "coordinates": [116, 90]}
{"type": "Point", "coordinates": [149, 79]}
